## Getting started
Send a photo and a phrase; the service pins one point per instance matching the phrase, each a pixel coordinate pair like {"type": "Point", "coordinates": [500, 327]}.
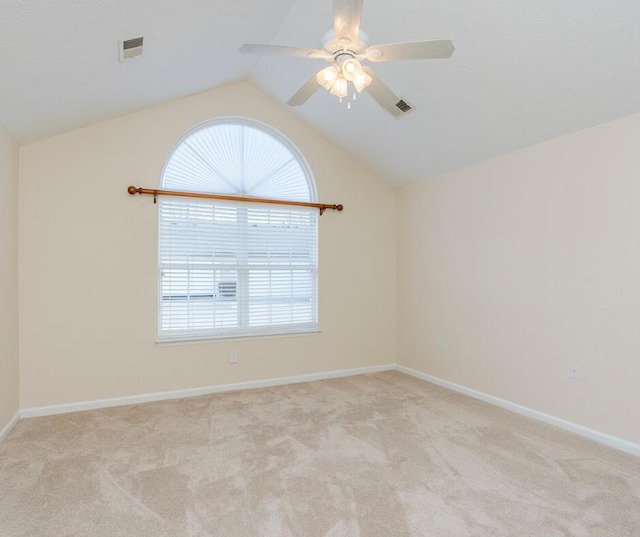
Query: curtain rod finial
{"type": "Point", "coordinates": [133, 190]}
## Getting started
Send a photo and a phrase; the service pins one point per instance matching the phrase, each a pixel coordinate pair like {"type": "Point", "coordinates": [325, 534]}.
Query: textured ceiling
{"type": "Point", "coordinates": [523, 71]}
{"type": "Point", "coordinates": [59, 63]}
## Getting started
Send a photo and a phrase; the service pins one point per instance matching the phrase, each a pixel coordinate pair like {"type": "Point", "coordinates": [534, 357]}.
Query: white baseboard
{"type": "Point", "coordinates": [7, 428]}
{"type": "Point", "coordinates": [617, 443]}
{"type": "Point", "coordinates": [612, 441]}
{"type": "Point", "coordinates": [194, 392]}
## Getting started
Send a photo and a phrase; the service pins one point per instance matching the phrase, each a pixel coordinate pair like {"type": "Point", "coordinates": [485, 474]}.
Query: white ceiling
{"type": "Point", "coordinates": [523, 71]}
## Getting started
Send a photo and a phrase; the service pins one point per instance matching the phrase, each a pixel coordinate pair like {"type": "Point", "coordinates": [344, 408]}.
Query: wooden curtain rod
{"type": "Point", "coordinates": [155, 193]}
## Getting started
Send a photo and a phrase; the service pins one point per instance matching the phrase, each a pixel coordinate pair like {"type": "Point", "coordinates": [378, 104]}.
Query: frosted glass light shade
{"type": "Point", "coordinates": [340, 87]}
{"type": "Point", "coordinates": [327, 77]}
{"type": "Point", "coordinates": [362, 81]}
{"type": "Point", "coordinates": [351, 69]}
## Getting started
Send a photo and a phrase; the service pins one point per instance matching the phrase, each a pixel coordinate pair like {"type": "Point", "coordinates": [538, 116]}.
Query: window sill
{"type": "Point", "coordinates": [222, 339]}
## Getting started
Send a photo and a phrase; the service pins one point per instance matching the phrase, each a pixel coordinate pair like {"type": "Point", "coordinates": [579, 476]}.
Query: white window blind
{"type": "Point", "coordinates": [236, 269]}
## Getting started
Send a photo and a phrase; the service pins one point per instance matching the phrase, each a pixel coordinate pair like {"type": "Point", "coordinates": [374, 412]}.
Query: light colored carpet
{"type": "Point", "coordinates": [374, 455]}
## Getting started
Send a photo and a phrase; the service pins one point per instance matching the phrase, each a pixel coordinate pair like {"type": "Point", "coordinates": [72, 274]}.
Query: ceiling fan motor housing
{"type": "Point", "coordinates": [336, 46]}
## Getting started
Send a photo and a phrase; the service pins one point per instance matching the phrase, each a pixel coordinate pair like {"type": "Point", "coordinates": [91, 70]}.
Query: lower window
{"type": "Point", "coordinates": [233, 269]}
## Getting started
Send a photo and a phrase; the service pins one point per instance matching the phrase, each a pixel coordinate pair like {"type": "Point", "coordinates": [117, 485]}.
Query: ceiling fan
{"type": "Point", "coordinates": [345, 47]}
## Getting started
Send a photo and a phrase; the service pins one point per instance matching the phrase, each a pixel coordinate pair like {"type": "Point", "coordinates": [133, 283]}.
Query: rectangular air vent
{"type": "Point", "coordinates": [404, 106]}
{"type": "Point", "coordinates": [131, 48]}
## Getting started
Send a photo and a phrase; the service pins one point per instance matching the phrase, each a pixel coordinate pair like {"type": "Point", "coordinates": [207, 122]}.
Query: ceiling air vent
{"type": "Point", "coordinates": [404, 107]}
{"type": "Point", "coordinates": [130, 48]}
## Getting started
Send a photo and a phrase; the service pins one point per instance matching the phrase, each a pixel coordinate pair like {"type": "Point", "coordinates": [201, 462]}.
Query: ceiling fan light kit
{"type": "Point", "coordinates": [335, 78]}
{"type": "Point", "coordinates": [345, 47]}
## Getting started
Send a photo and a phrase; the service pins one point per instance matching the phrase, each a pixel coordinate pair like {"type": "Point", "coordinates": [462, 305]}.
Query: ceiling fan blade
{"type": "Point", "coordinates": [417, 50]}
{"type": "Point", "coordinates": [346, 19]}
{"type": "Point", "coordinates": [381, 94]}
{"type": "Point", "coordinates": [305, 92]}
{"type": "Point", "coordinates": [289, 51]}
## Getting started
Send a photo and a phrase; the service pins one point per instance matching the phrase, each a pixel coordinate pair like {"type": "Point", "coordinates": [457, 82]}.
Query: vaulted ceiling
{"type": "Point", "coordinates": [522, 72]}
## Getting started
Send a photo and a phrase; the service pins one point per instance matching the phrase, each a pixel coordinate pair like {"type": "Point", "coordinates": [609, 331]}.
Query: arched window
{"type": "Point", "coordinates": [231, 268]}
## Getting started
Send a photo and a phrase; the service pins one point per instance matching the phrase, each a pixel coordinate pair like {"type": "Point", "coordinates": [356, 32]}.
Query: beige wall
{"type": "Point", "coordinates": [8, 278]}
{"type": "Point", "coordinates": [526, 264]}
{"type": "Point", "coordinates": [88, 261]}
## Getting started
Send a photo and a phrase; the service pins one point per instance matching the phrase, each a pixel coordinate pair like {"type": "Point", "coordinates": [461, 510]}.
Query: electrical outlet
{"type": "Point", "coordinates": [233, 356]}
{"type": "Point", "coordinates": [440, 342]}
{"type": "Point", "coordinates": [574, 371]}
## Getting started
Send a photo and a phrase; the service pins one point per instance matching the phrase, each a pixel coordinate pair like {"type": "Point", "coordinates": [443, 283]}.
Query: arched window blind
{"type": "Point", "coordinates": [233, 268]}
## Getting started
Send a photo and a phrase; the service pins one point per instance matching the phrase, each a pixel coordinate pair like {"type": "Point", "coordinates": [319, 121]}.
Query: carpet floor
{"type": "Point", "coordinates": [374, 455]}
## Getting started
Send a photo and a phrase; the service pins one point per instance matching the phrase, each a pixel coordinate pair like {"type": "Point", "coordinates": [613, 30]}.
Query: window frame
{"type": "Point", "coordinates": [244, 331]}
